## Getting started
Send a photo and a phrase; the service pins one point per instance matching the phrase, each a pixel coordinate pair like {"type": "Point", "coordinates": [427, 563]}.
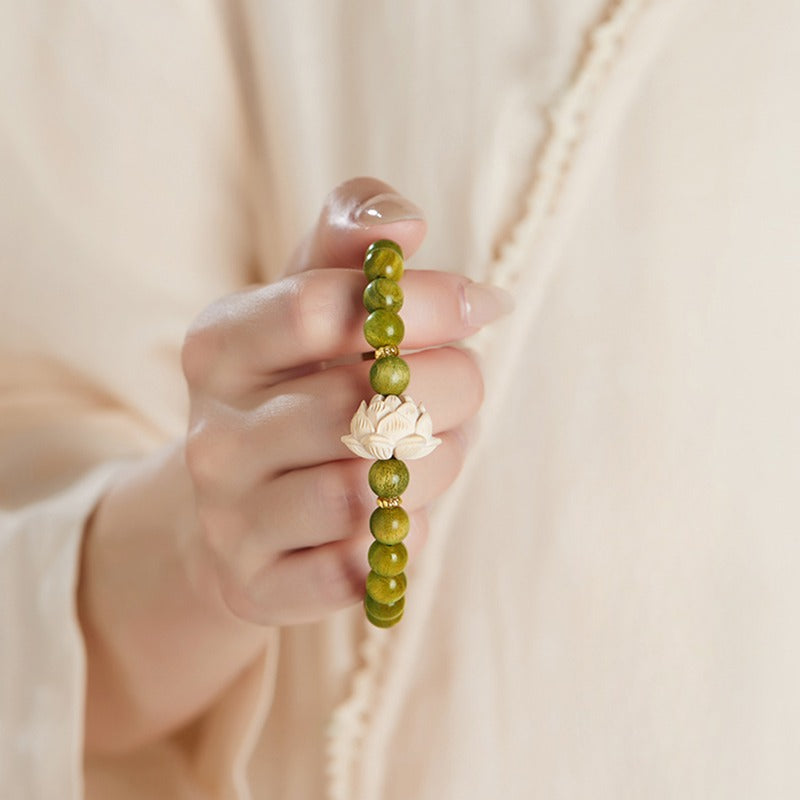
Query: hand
{"type": "Point", "coordinates": [261, 514]}
{"type": "Point", "coordinates": [282, 505]}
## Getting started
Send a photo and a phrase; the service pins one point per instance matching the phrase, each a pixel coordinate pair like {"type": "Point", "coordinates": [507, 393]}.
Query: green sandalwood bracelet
{"type": "Point", "coordinates": [392, 429]}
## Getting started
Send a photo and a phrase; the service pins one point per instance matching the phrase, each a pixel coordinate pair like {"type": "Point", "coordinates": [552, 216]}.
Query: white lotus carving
{"type": "Point", "coordinates": [391, 426]}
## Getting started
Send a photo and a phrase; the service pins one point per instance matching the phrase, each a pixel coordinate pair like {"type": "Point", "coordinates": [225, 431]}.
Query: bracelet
{"type": "Point", "coordinates": [392, 429]}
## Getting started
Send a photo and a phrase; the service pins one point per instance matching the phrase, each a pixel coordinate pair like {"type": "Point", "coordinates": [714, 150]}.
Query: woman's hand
{"type": "Point", "coordinates": [270, 503]}
{"type": "Point", "coordinates": [283, 505]}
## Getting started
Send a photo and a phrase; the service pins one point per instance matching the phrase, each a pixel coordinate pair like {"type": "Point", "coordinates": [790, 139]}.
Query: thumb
{"type": "Point", "coordinates": [355, 214]}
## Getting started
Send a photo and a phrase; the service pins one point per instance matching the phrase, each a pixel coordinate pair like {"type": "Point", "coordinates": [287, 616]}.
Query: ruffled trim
{"type": "Point", "coordinates": [348, 723]}
{"type": "Point", "coordinates": [566, 124]}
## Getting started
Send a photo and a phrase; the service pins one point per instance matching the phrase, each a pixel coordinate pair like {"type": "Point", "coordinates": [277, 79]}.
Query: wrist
{"type": "Point", "coordinates": [151, 611]}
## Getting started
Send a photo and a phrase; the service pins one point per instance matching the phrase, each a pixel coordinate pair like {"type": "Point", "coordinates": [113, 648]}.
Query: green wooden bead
{"type": "Point", "coordinates": [383, 293]}
{"type": "Point", "coordinates": [383, 612]}
{"type": "Point", "coordinates": [387, 559]}
{"type": "Point", "coordinates": [383, 262]}
{"type": "Point", "coordinates": [385, 589]}
{"type": "Point", "coordinates": [384, 243]}
{"type": "Point", "coordinates": [389, 375]}
{"type": "Point", "coordinates": [383, 623]}
{"type": "Point", "coordinates": [389, 525]}
{"type": "Point", "coordinates": [388, 477]}
{"type": "Point", "coordinates": [383, 327]}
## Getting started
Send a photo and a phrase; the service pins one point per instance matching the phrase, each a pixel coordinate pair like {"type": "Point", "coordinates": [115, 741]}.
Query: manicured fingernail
{"type": "Point", "coordinates": [484, 303]}
{"type": "Point", "coordinates": [385, 208]}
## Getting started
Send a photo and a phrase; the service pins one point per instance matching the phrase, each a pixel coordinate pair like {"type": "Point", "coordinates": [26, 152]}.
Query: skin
{"type": "Point", "coordinates": [259, 516]}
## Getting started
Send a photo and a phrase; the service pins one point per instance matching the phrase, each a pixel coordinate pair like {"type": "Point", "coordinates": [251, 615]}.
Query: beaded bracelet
{"type": "Point", "coordinates": [391, 429]}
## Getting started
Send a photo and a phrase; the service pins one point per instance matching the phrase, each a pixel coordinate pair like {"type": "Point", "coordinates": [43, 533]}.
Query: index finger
{"type": "Point", "coordinates": [318, 315]}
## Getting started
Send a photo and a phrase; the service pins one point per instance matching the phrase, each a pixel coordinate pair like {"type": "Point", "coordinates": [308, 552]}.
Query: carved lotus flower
{"type": "Point", "coordinates": [391, 425]}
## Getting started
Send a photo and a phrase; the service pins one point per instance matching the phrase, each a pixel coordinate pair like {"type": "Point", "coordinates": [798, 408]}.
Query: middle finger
{"type": "Point", "coordinates": [308, 416]}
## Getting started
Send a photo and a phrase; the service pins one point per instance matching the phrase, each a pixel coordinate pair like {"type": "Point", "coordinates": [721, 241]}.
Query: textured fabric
{"type": "Point", "coordinates": [605, 607]}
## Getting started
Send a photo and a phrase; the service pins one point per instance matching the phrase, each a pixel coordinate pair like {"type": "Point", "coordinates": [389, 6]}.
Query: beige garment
{"type": "Point", "coordinates": [606, 606]}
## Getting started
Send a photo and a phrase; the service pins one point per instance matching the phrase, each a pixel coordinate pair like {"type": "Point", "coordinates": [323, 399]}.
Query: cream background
{"type": "Point", "coordinates": [607, 604]}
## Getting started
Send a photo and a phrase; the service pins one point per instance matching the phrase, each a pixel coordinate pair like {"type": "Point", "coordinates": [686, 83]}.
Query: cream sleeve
{"type": "Point", "coordinates": [124, 202]}
{"type": "Point", "coordinates": [42, 668]}
{"type": "Point", "coordinates": [42, 676]}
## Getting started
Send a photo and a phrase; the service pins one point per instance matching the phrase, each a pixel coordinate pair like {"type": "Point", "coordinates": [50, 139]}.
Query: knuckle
{"type": "Point", "coordinates": [337, 579]}
{"type": "Point", "coordinates": [457, 446]}
{"type": "Point", "coordinates": [222, 526]}
{"type": "Point", "coordinates": [237, 598]}
{"type": "Point", "coordinates": [312, 308]}
{"type": "Point", "coordinates": [472, 378]}
{"type": "Point", "coordinates": [200, 351]}
{"type": "Point", "coordinates": [208, 456]}
{"type": "Point", "coordinates": [199, 464]}
{"type": "Point", "coordinates": [343, 490]}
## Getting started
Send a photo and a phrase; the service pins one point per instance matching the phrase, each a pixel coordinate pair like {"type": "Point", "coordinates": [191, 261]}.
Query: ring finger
{"type": "Point", "coordinates": [331, 502]}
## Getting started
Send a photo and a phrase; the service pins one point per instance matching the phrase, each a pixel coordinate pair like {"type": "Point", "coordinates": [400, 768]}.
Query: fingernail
{"type": "Point", "coordinates": [484, 303]}
{"type": "Point", "coordinates": [385, 208]}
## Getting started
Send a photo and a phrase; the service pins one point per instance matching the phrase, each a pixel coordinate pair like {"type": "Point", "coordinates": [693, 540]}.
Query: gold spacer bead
{"type": "Point", "coordinates": [389, 502]}
{"type": "Point", "coordinates": [387, 350]}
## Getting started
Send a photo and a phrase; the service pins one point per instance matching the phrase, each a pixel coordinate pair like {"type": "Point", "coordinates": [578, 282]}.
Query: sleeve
{"type": "Point", "coordinates": [42, 675]}
{"type": "Point", "coordinates": [123, 212]}
{"type": "Point", "coordinates": [41, 658]}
